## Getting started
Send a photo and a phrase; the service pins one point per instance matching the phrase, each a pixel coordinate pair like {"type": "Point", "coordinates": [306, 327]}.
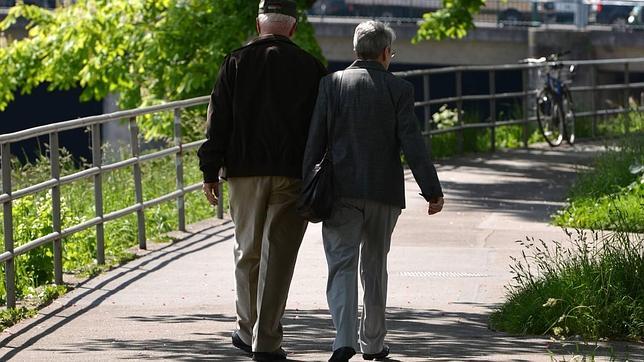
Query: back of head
{"type": "Point", "coordinates": [273, 23]}
{"type": "Point", "coordinates": [277, 17]}
{"type": "Point", "coordinates": [371, 38]}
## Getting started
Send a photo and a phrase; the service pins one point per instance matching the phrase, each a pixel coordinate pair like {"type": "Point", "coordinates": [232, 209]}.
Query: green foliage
{"type": "Point", "coordinates": [9, 317]}
{"type": "Point", "coordinates": [46, 294]}
{"type": "Point", "coordinates": [147, 51]}
{"type": "Point", "coordinates": [446, 117]}
{"type": "Point", "coordinates": [32, 217]}
{"type": "Point", "coordinates": [453, 20]}
{"type": "Point", "coordinates": [38, 298]}
{"type": "Point", "coordinates": [612, 191]}
{"type": "Point", "coordinates": [632, 122]}
{"type": "Point", "coordinates": [476, 140]}
{"type": "Point", "coordinates": [34, 213]}
{"type": "Point", "coordinates": [591, 286]}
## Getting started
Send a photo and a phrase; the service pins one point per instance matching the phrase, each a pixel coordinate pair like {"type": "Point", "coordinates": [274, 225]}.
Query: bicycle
{"type": "Point", "coordinates": [554, 104]}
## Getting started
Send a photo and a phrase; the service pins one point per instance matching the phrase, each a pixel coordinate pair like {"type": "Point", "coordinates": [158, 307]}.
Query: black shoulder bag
{"type": "Point", "coordinates": [315, 203]}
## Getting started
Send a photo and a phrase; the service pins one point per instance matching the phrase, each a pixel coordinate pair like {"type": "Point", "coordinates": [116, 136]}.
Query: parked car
{"type": "Point", "coordinates": [525, 12]}
{"type": "Point", "coordinates": [612, 12]}
{"type": "Point", "coordinates": [513, 12]}
{"type": "Point", "coordinates": [331, 8]}
{"type": "Point", "coordinates": [410, 9]}
{"type": "Point", "coordinates": [636, 18]}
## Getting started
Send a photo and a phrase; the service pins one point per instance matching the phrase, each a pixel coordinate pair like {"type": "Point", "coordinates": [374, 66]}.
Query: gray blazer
{"type": "Point", "coordinates": [371, 113]}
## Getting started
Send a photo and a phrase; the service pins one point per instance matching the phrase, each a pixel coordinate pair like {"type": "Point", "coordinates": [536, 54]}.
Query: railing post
{"type": "Point", "coordinates": [178, 164]}
{"type": "Point", "coordinates": [10, 270]}
{"type": "Point", "coordinates": [54, 160]}
{"type": "Point", "coordinates": [593, 98]}
{"type": "Point", "coordinates": [627, 81]}
{"type": "Point", "coordinates": [525, 107]}
{"type": "Point", "coordinates": [459, 110]}
{"type": "Point", "coordinates": [428, 115]}
{"type": "Point", "coordinates": [97, 161]}
{"type": "Point", "coordinates": [492, 84]}
{"type": "Point", "coordinates": [138, 187]}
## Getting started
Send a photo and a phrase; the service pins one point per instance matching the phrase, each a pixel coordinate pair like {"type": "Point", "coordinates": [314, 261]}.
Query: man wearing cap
{"type": "Point", "coordinates": [258, 120]}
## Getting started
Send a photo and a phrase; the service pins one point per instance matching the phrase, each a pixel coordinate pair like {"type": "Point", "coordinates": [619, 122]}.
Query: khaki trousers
{"type": "Point", "coordinates": [268, 234]}
{"type": "Point", "coordinates": [358, 230]}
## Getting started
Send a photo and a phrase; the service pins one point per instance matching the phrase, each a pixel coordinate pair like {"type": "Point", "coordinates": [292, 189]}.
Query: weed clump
{"type": "Point", "coordinates": [591, 286]}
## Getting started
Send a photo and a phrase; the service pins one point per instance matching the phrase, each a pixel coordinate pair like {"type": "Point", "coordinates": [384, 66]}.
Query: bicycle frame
{"type": "Point", "coordinates": [555, 85]}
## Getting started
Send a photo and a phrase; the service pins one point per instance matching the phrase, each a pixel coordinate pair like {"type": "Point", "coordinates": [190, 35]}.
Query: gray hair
{"type": "Point", "coordinates": [277, 23]}
{"type": "Point", "coordinates": [371, 38]}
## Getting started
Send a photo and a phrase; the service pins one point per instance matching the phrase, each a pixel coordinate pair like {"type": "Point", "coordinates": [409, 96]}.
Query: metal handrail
{"type": "Point", "coordinates": [97, 168]}
{"type": "Point", "coordinates": [518, 66]}
{"type": "Point", "coordinates": [95, 171]}
{"type": "Point", "coordinates": [100, 119]}
{"type": "Point", "coordinates": [525, 95]}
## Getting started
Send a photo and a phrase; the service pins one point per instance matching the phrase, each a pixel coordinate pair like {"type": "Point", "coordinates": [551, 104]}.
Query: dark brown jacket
{"type": "Point", "coordinates": [260, 110]}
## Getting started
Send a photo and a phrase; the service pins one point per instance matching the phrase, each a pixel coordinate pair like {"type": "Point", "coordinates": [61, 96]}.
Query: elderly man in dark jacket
{"type": "Point", "coordinates": [258, 120]}
{"type": "Point", "coordinates": [366, 116]}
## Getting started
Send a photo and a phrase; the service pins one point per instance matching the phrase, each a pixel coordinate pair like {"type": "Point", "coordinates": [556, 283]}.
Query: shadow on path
{"type": "Point", "coordinates": [413, 334]}
{"type": "Point", "coordinates": [529, 184]}
{"type": "Point", "coordinates": [127, 275]}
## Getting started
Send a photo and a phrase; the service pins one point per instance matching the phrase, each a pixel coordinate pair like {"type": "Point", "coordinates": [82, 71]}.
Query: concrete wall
{"type": "Point", "coordinates": [489, 45]}
{"type": "Point", "coordinates": [483, 46]}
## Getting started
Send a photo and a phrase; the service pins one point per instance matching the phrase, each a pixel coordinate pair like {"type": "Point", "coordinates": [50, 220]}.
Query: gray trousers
{"type": "Point", "coordinates": [358, 230]}
{"type": "Point", "coordinates": [268, 234]}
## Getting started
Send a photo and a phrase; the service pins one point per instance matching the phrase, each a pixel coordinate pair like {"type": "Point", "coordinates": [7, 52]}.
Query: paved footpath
{"type": "Point", "coordinates": [447, 272]}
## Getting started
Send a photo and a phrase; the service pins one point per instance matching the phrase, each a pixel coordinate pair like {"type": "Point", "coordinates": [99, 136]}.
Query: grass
{"type": "Point", "coordinates": [610, 195]}
{"type": "Point", "coordinates": [479, 140]}
{"type": "Point", "coordinates": [608, 127]}
{"type": "Point", "coordinates": [592, 286]}
{"type": "Point", "coordinates": [41, 297]}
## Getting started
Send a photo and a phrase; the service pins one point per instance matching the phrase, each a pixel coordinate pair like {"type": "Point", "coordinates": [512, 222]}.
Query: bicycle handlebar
{"type": "Point", "coordinates": [554, 57]}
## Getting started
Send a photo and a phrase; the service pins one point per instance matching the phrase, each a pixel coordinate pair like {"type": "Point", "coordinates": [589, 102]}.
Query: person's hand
{"type": "Point", "coordinates": [435, 205]}
{"type": "Point", "coordinates": [211, 190]}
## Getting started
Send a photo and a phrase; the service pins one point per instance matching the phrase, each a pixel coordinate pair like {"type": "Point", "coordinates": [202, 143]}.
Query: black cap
{"type": "Point", "coordinates": [285, 7]}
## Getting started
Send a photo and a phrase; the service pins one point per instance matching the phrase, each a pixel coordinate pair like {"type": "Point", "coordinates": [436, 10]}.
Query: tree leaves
{"type": "Point", "coordinates": [148, 51]}
{"type": "Point", "coordinates": [454, 20]}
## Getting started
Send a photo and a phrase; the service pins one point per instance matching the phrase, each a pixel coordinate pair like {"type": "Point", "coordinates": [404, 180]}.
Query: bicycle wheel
{"type": "Point", "coordinates": [549, 117]}
{"type": "Point", "coordinates": [569, 120]}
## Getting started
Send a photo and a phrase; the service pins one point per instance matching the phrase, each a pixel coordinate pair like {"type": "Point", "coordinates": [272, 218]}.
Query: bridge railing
{"type": "Point", "coordinates": [531, 85]}
{"type": "Point", "coordinates": [98, 168]}
{"type": "Point", "coordinates": [95, 172]}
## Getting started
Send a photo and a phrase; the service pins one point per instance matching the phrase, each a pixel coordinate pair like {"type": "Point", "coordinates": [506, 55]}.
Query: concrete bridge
{"type": "Point", "coordinates": [487, 44]}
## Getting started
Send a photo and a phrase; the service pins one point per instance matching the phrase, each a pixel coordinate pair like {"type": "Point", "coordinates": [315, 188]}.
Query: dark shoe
{"type": "Point", "coordinates": [342, 354]}
{"type": "Point", "coordinates": [377, 356]}
{"type": "Point", "coordinates": [237, 342]}
{"type": "Point", "coordinates": [278, 355]}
